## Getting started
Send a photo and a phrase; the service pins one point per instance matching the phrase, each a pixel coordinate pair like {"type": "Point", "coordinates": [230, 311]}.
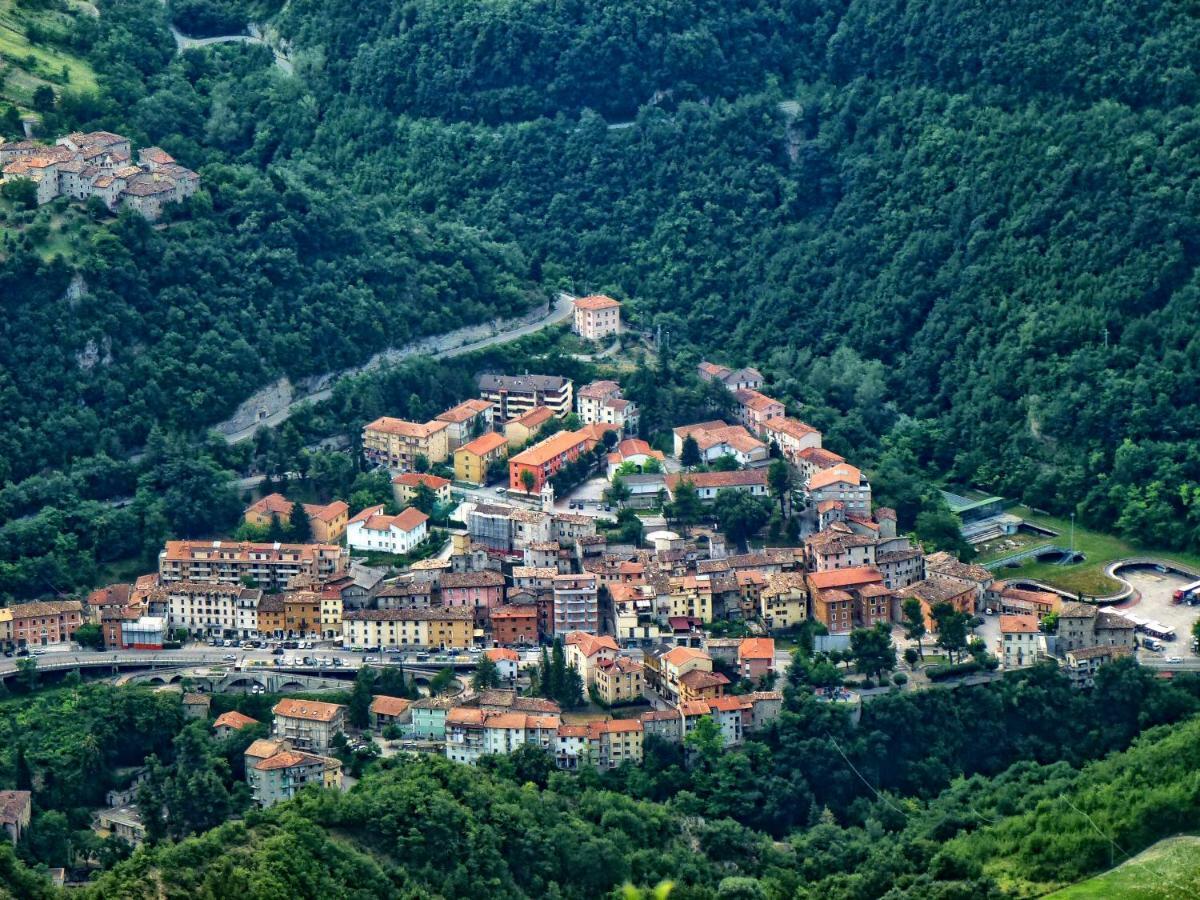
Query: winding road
{"type": "Point", "coordinates": [454, 343]}
{"type": "Point", "coordinates": [254, 36]}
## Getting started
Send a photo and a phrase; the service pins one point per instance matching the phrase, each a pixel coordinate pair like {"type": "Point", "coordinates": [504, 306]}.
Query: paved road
{"type": "Point", "coordinates": [202, 654]}
{"type": "Point", "coordinates": [442, 347]}
{"type": "Point", "coordinates": [183, 42]}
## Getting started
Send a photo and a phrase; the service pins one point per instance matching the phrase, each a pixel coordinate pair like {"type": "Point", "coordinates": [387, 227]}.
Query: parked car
{"type": "Point", "coordinates": [38, 651]}
{"type": "Point", "coordinates": [278, 651]}
{"type": "Point", "coordinates": [229, 657]}
{"type": "Point", "coordinates": [1173, 659]}
{"type": "Point", "coordinates": [370, 659]}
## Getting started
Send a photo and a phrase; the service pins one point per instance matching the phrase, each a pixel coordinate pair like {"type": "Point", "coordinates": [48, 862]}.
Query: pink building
{"type": "Point", "coordinates": [479, 591]}
{"type": "Point", "coordinates": [756, 657]}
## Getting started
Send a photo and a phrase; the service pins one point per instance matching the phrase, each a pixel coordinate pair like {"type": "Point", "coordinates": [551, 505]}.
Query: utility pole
{"type": "Point", "coordinates": [1105, 337]}
{"type": "Point", "coordinates": [1072, 537]}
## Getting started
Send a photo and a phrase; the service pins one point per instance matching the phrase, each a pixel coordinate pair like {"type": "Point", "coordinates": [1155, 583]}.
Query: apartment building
{"type": "Point", "coordinates": [396, 443]}
{"type": "Point", "coordinates": [1020, 640]}
{"type": "Point", "coordinates": [308, 724]}
{"type": "Point", "coordinates": [791, 436]}
{"type": "Point", "coordinates": [207, 608]}
{"type": "Point", "coordinates": [601, 403]}
{"type": "Point", "coordinates": [467, 421]}
{"type": "Point", "coordinates": [477, 592]}
{"type": "Point", "coordinates": [576, 604]}
{"type": "Point", "coordinates": [471, 460]}
{"type": "Point", "coordinates": [515, 624]}
{"type": "Point", "coordinates": [519, 431]}
{"type": "Point", "coordinates": [438, 628]}
{"type": "Point", "coordinates": [268, 566]}
{"type": "Point", "coordinates": [281, 776]}
{"type": "Point", "coordinates": [845, 484]}
{"type": "Point", "coordinates": [514, 395]}
{"type": "Point", "coordinates": [544, 459]}
{"type": "Point", "coordinates": [844, 599]}
{"type": "Point", "coordinates": [596, 317]}
{"type": "Point", "coordinates": [619, 680]}
{"type": "Point", "coordinates": [934, 590]}
{"type": "Point", "coordinates": [754, 409]}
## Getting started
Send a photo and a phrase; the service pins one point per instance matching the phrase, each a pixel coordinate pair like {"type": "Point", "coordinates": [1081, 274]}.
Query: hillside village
{"type": "Point", "coordinates": [98, 164]}
{"type": "Point", "coordinates": [486, 553]}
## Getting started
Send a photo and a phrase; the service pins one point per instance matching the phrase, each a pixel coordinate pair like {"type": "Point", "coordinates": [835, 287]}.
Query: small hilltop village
{"type": "Point", "coordinates": [99, 164]}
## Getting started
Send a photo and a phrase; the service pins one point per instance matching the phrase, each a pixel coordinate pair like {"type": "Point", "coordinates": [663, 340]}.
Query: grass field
{"type": "Point", "coordinates": [1169, 870]}
{"type": "Point", "coordinates": [29, 65]}
{"type": "Point", "coordinates": [1088, 577]}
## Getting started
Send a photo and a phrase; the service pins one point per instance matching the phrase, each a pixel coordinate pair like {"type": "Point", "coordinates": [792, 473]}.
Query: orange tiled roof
{"type": "Point", "coordinates": [555, 445]}
{"type": "Point", "coordinates": [757, 648]}
{"type": "Point", "coordinates": [1018, 625]}
{"type": "Point", "coordinates": [468, 409]}
{"type": "Point", "coordinates": [484, 444]}
{"type": "Point", "coordinates": [719, 479]}
{"type": "Point", "coordinates": [383, 705]}
{"type": "Point", "coordinates": [388, 425]}
{"type": "Point", "coordinates": [596, 301]}
{"type": "Point", "coordinates": [413, 479]}
{"type": "Point", "coordinates": [312, 710]}
{"type": "Point", "coordinates": [234, 719]}
{"type": "Point", "coordinates": [535, 417]}
{"type": "Point", "coordinates": [839, 473]}
{"type": "Point", "coordinates": [839, 578]}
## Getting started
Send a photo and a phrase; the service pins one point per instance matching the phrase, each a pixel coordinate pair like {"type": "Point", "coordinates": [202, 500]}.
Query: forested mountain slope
{"type": "Point", "coordinates": [1034, 789]}
{"type": "Point", "coordinates": [970, 253]}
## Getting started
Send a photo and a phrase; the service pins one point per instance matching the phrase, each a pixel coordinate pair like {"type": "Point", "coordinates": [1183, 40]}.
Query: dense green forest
{"type": "Point", "coordinates": [959, 239]}
{"type": "Point", "coordinates": [977, 792]}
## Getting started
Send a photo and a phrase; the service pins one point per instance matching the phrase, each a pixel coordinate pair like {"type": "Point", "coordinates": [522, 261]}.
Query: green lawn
{"type": "Point", "coordinates": [1088, 577]}
{"type": "Point", "coordinates": [1169, 870]}
{"type": "Point", "coordinates": [32, 64]}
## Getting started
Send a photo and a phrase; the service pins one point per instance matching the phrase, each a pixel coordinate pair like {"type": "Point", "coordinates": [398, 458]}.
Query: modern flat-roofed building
{"type": "Point", "coordinates": [514, 395]}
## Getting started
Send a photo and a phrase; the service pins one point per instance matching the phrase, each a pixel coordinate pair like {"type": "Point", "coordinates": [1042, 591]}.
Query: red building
{"type": "Point", "coordinates": [544, 459]}
{"type": "Point", "coordinates": [515, 625]}
{"type": "Point", "coordinates": [45, 622]}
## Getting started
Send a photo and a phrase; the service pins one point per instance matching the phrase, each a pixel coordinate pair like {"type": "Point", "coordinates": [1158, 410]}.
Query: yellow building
{"type": "Point", "coordinates": [6, 618]}
{"type": "Point", "coordinates": [521, 430]}
{"type": "Point", "coordinates": [397, 444]}
{"type": "Point", "coordinates": [448, 628]}
{"type": "Point", "coordinates": [326, 521]}
{"type": "Point", "coordinates": [272, 621]}
{"type": "Point", "coordinates": [404, 487]}
{"type": "Point", "coordinates": [471, 460]}
{"type": "Point", "coordinates": [783, 602]}
{"type": "Point", "coordinates": [691, 595]}
{"type": "Point", "coordinates": [331, 615]}
{"type": "Point", "coordinates": [665, 671]}
{"type": "Point", "coordinates": [618, 680]}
